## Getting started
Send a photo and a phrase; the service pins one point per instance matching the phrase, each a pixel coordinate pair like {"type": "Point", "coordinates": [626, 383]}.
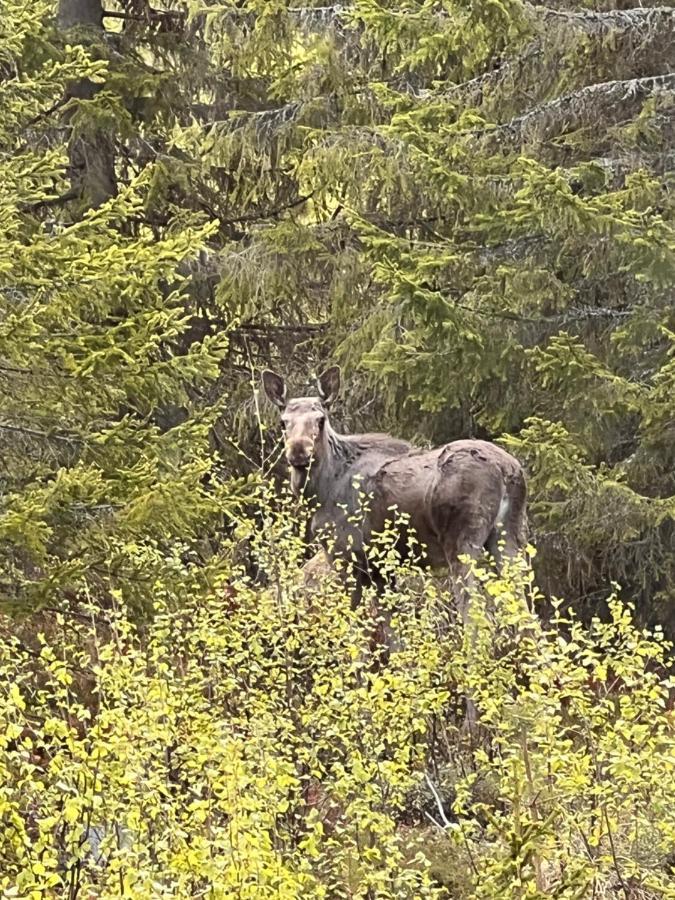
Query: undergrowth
{"type": "Point", "coordinates": [253, 741]}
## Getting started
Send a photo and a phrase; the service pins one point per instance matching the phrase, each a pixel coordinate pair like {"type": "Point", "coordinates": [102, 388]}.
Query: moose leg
{"type": "Point", "coordinates": [506, 542]}
{"type": "Point", "coordinates": [515, 518]}
{"type": "Point", "coordinates": [493, 548]}
{"type": "Point", "coordinates": [461, 581]}
{"type": "Point", "coordinates": [509, 533]}
{"type": "Point", "coordinates": [383, 641]}
{"type": "Point", "coordinates": [462, 585]}
{"type": "Point", "coordinates": [467, 541]}
{"type": "Point", "coordinates": [502, 543]}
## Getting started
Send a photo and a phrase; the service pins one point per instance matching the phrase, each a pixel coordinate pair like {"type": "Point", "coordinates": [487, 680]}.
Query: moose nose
{"type": "Point", "coordinates": [300, 459]}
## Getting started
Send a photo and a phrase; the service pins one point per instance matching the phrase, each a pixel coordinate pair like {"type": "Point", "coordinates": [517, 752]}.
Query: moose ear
{"type": "Point", "coordinates": [275, 388]}
{"type": "Point", "coordinates": [329, 385]}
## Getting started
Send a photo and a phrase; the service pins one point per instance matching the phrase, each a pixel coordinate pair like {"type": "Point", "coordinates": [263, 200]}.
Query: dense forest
{"type": "Point", "coordinates": [468, 205]}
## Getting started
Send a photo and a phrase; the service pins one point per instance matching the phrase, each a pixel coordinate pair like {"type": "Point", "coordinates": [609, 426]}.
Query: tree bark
{"type": "Point", "coordinates": [72, 13]}
{"type": "Point", "coordinates": [91, 152]}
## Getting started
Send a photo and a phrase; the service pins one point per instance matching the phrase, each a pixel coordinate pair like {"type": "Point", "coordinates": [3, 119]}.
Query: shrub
{"type": "Point", "coordinates": [250, 741]}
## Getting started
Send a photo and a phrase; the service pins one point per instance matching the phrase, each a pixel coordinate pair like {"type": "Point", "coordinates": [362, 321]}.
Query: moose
{"type": "Point", "coordinates": [457, 499]}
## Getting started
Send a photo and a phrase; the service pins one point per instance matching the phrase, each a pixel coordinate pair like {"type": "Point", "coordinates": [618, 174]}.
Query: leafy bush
{"type": "Point", "coordinates": [253, 741]}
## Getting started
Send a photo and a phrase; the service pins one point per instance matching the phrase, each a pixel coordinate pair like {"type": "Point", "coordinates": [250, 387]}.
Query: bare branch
{"type": "Point", "coordinates": [45, 113]}
{"type": "Point", "coordinates": [49, 202]}
{"type": "Point", "coordinates": [615, 860]}
{"type": "Point", "coordinates": [439, 805]}
{"type": "Point", "coordinates": [44, 435]}
{"type": "Point", "coordinates": [268, 213]}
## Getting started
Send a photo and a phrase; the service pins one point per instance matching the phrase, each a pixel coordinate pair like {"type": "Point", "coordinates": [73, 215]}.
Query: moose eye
{"type": "Point", "coordinates": [322, 421]}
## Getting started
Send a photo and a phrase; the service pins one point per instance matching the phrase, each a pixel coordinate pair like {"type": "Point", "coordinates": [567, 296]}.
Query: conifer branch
{"type": "Point", "coordinates": [653, 17]}
{"type": "Point", "coordinates": [45, 113]}
{"type": "Point", "coordinates": [573, 110]}
{"type": "Point", "coordinates": [270, 328]}
{"type": "Point", "coordinates": [268, 213]}
{"type": "Point", "coordinates": [488, 79]}
{"type": "Point", "coordinates": [45, 435]}
{"type": "Point", "coordinates": [48, 202]}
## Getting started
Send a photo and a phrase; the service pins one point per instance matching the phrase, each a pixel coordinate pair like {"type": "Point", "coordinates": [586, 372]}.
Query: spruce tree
{"type": "Point", "coordinates": [99, 496]}
{"type": "Point", "coordinates": [469, 205]}
{"type": "Point", "coordinates": [487, 236]}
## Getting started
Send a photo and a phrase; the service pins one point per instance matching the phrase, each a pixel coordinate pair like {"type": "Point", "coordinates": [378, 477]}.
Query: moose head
{"type": "Point", "coordinates": [304, 420]}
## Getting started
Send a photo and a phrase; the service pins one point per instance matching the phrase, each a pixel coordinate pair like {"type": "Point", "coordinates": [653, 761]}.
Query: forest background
{"type": "Point", "coordinates": [468, 204]}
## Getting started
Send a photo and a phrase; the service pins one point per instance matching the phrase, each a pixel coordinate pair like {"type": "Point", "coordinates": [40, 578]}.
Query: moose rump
{"type": "Point", "coordinates": [460, 498]}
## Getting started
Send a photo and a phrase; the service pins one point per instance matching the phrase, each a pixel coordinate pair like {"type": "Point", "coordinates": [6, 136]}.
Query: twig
{"type": "Point", "coordinates": [310, 328]}
{"type": "Point", "coordinates": [47, 112]}
{"type": "Point", "coordinates": [268, 213]}
{"type": "Point", "coordinates": [48, 202]}
{"type": "Point", "coordinates": [447, 824]}
{"type": "Point", "coordinates": [614, 858]}
{"type": "Point", "coordinates": [34, 432]}
{"type": "Point", "coordinates": [536, 859]}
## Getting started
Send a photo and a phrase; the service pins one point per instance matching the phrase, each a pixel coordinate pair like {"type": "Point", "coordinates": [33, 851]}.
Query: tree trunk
{"type": "Point", "coordinates": [91, 151]}
{"type": "Point", "coordinates": [80, 12]}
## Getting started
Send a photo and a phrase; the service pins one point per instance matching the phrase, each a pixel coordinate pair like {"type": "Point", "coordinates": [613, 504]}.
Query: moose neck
{"type": "Point", "coordinates": [336, 456]}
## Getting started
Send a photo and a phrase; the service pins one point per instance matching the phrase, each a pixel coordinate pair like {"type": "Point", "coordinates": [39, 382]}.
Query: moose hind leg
{"type": "Point", "coordinates": [492, 545]}
{"type": "Point", "coordinates": [515, 518]}
{"type": "Point", "coordinates": [509, 534]}
{"type": "Point", "coordinates": [462, 585]}
{"type": "Point", "coordinates": [470, 544]}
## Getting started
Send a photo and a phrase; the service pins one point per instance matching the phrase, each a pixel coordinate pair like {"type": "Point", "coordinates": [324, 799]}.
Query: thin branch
{"type": "Point", "coordinates": [48, 202]}
{"type": "Point", "coordinates": [69, 611]}
{"type": "Point", "coordinates": [332, 10]}
{"type": "Point", "coordinates": [35, 373]}
{"type": "Point", "coordinates": [47, 112]}
{"type": "Point", "coordinates": [34, 432]}
{"type": "Point", "coordinates": [614, 857]}
{"type": "Point", "coordinates": [448, 825]}
{"type": "Point", "coordinates": [487, 79]}
{"type": "Point", "coordinates": [269, 213]}
{"type": "Point", "coordinates": [265, 119]}
{"type": "Point", "coordinates": [536, 858]}
{"type": "Point", "coordinates": [293, 329]}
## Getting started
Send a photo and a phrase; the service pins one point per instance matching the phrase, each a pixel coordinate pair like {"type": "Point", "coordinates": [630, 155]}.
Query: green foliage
{"type": "Point", "coordinates": [468, 204]}
{"type": "Point", "coordinates": [480, 197]}
{"type": "Point", "coordinates": [248, 742]}
{"type": "Point", "coordinates": [581, 752]}
{"type": "Point", "coordinates": [93, 361]}
{"type": "Point", "coordinates": [240, 746]}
